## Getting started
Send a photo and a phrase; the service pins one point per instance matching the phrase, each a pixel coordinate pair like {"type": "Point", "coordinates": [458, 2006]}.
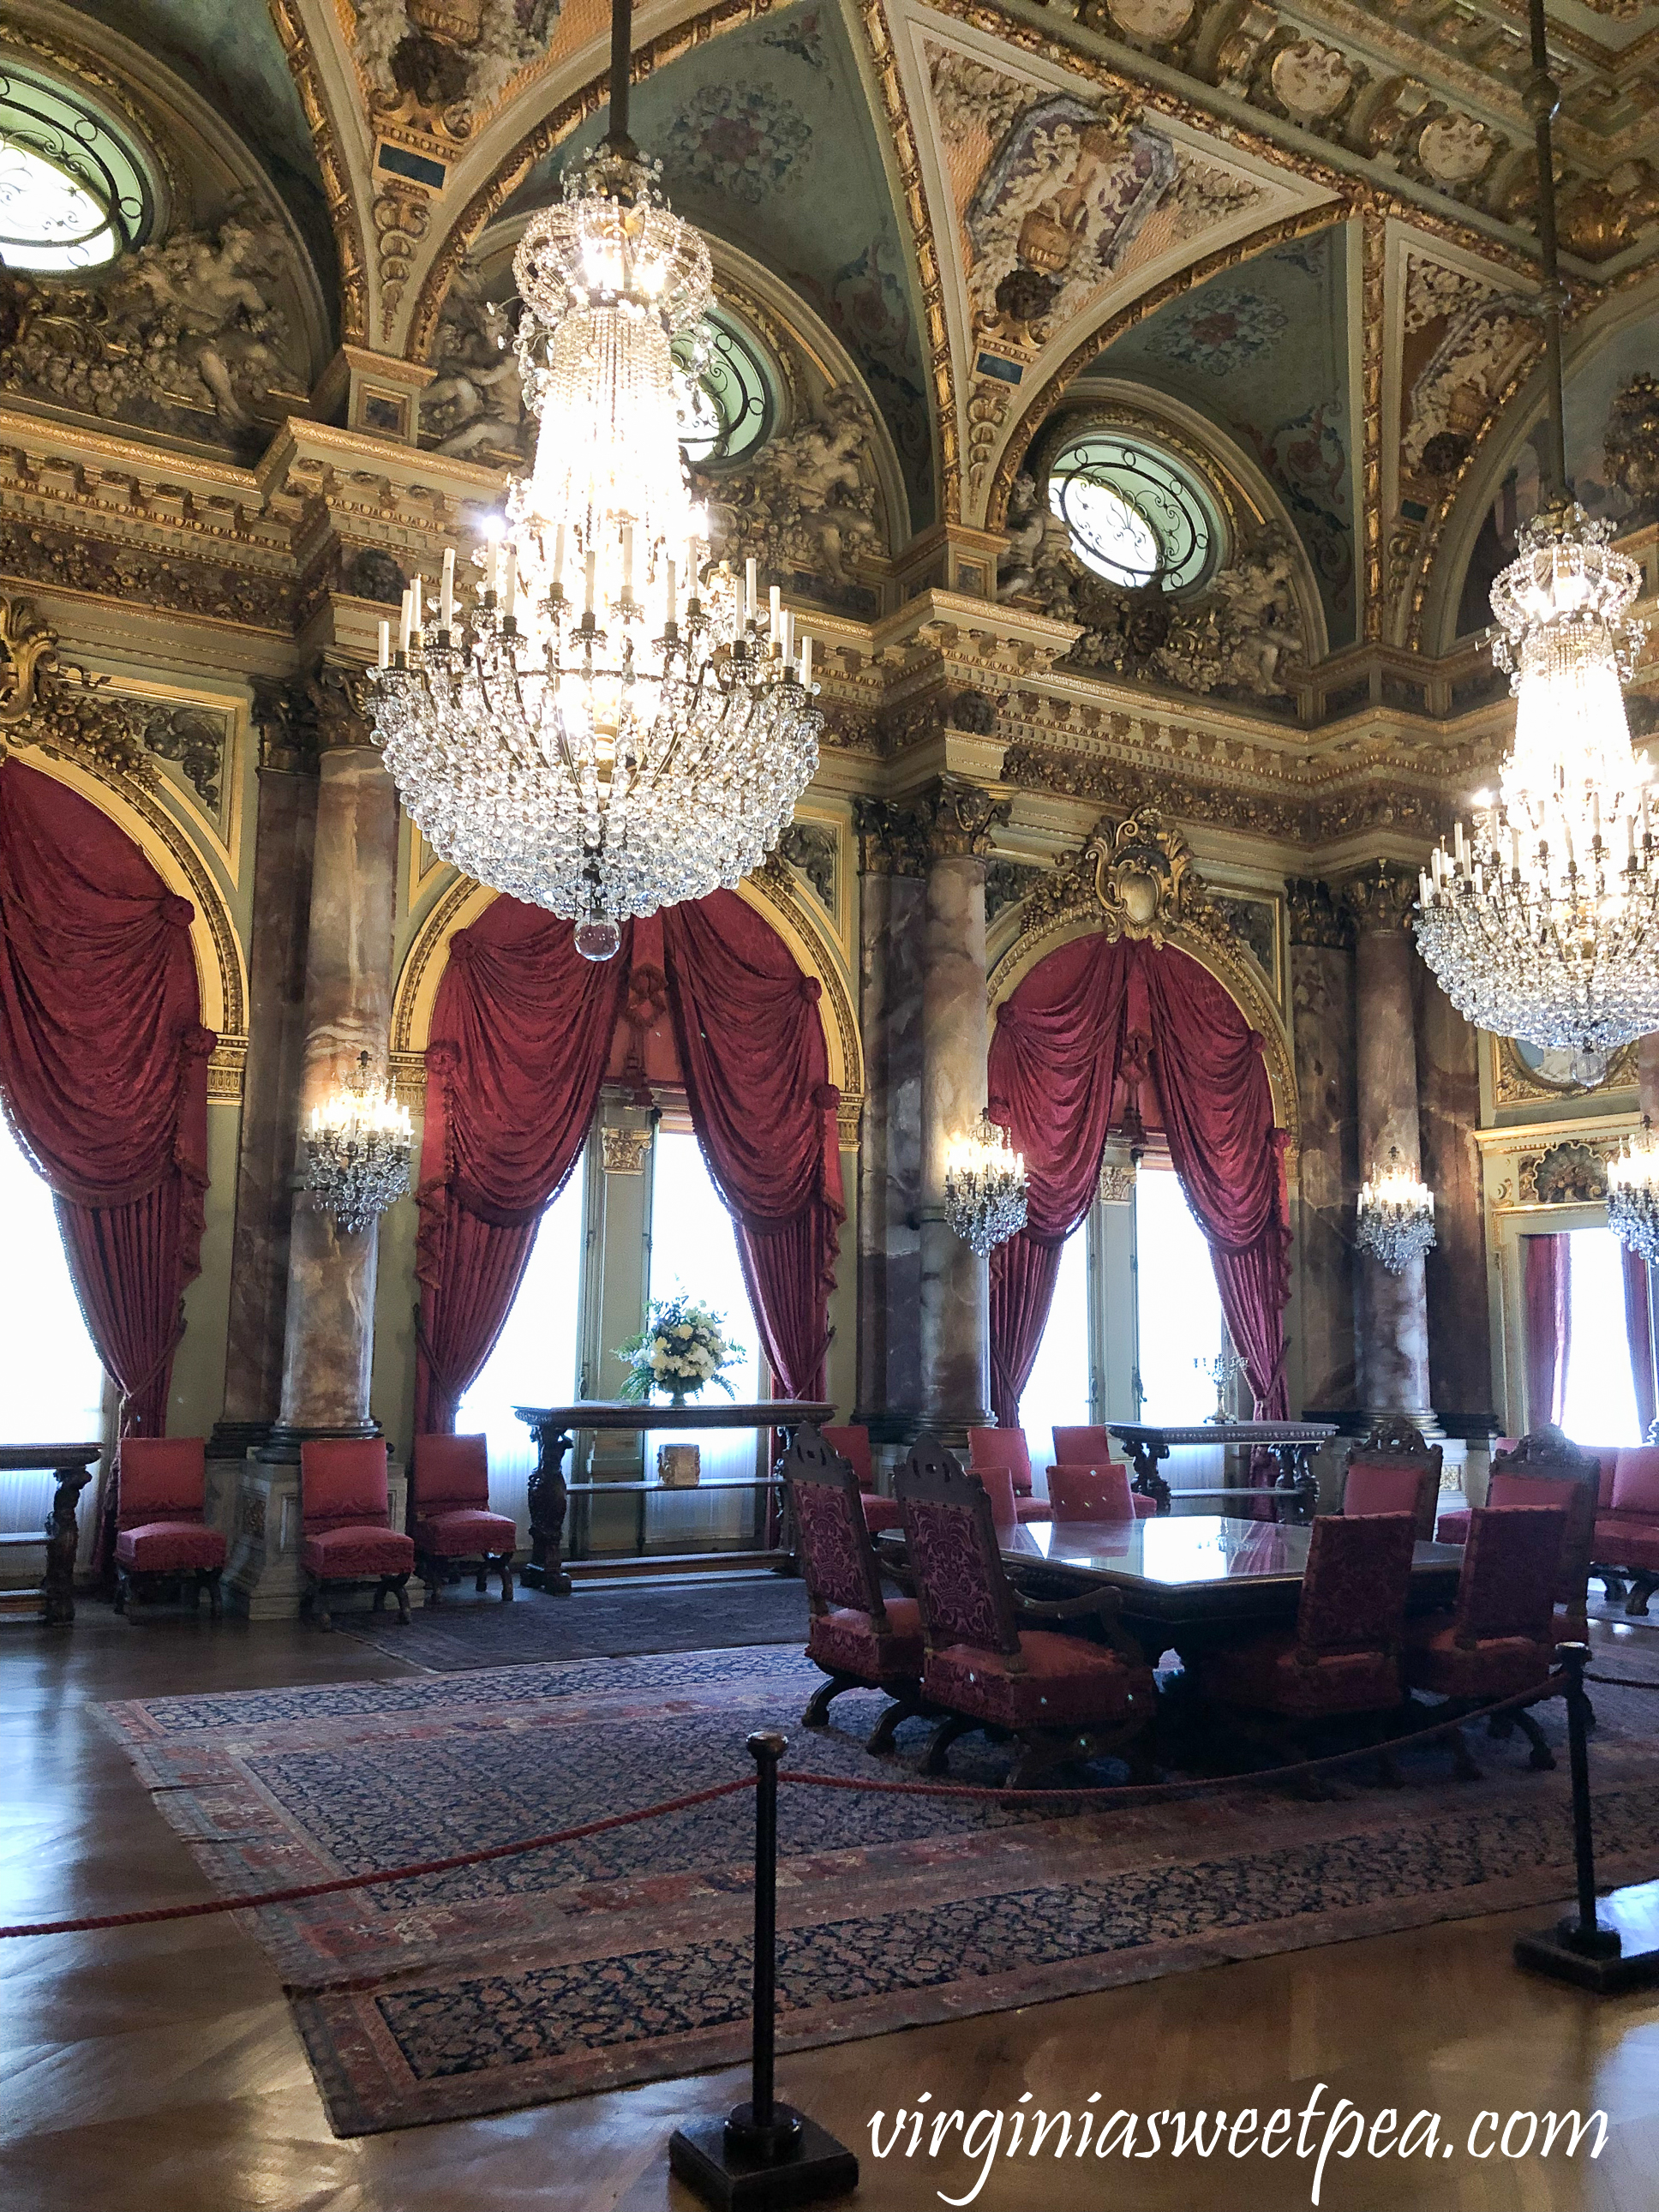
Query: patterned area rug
{"type": "Point", "coordinates": [596, 1621]}
{"type": "Point", "coordinates": [625, 1958]}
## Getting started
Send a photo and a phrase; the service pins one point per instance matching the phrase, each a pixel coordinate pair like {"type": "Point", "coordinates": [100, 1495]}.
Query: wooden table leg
{"type": "Point", "coordinates": [549, 1499]}
{"type": "Point", "coordinates": [788, 1559]}
{"type": "Point", "coordinates": [63, 1541]}
{"type": "Point", "coordinates": [1146, 1479]}
{"type": "Point", "coordinates": [1296, 1490]}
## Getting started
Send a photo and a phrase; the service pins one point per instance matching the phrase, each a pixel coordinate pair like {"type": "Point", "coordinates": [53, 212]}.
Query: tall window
{"type": "Point", "coordinates": [1599, 1407]}
{"type": "Point", "coordinates": [1057, 1392]}
{"type": "Point", "coordinates": [51, 1380]}
{"type": "Point", "coordinates": [694, 1249]}
{"type": "Point", "coordinates": [1177, 1306]}
{"type": "Point", "coordinates": [536, 1356]}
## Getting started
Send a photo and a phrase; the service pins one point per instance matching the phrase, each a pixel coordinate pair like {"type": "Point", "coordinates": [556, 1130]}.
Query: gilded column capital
{"type": "Point", "coordinates": [954, 819]}
{"type": "Point", "coordinates": [338, 694]}
{"type": "Point", "coordinates": [1380, 900]}
{"type": "Point", "coordinates": [1317, 916]}
{"type": "Point", "coordinates": [889, 841]}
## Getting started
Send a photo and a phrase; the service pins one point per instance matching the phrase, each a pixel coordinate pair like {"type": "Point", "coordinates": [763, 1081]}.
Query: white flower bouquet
{"type": "Point", "coordinates": [681, 1350]}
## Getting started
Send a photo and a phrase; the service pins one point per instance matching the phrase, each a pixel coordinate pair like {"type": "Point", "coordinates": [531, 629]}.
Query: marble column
{"type": "Point", "coordinates": [270, 1089]}
{"type": "Point", "coordinates": [329, 1338]}
{"type": "Point", "coordinates": [1321, 994]}
{"type": "Point", "coordinates": [953, 825]}
{"type": "Point", "coordinates": [891, 897]}
{"type": "Point", "coordinates": [1392, 1320]}
{"type": "Point", "coordinates": [1448, 1092]}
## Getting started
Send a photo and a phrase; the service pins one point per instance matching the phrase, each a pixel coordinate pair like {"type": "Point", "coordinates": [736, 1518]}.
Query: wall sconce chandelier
{"type": "Point", "coordinates": [1542, 923]}
{"type": "Point", "coordinates": [986, 1189]}
{"type": "Point", "coordinates": [612, 724]}
{"type": "Point", "coordinates": [1395, 1221]}
{"type": "Point", "coordinates": [1633, 1193]}
{"type": "Point", "coordinates": [357, 1148]}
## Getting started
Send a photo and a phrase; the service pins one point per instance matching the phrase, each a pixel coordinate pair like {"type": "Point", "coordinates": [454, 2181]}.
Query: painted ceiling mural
{"type": "Point", "coordinates": [1263, 352]}
{"type": "Point", "coordinates": [767, 141]}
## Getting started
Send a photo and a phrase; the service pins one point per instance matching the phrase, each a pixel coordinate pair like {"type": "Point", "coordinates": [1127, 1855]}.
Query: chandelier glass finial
{"type": "Point", "coordinates": [985, 1187]}
{"type": "Point", "coordinates": [1542, 920]}
{"type": "Point", "coordinates": [610, 721]}
{"type": "Point", "coordinates": [1633, 1193]}
{"type": "Point", "coordinates": [1395, 1219]}
{"type": "Point", "coordinates": [357, 1148]}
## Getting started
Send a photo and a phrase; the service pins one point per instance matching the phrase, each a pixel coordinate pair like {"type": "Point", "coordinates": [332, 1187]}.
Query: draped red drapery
{"type": "Point", "coordinates": [103, 1069]}
{"type": "Point", "coordinates": [1545, 1292]}
{"type": "Point", "coordinates": [520, 1037]}
{"type": "Point", "coordinates": [1053, 1062]}
{"type": "Point", "coordinates": [1638, 1335]}
{"type": "Point", "coordinates": [752, 1052]}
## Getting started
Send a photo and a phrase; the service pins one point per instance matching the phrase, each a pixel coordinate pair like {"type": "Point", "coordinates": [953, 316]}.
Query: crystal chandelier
{"type": "Point", "coordinates": [1542, 922]}
{"type": "Point", "coordinates": [1395, 1222]}
{"type": "Point", "coordinates": [1633, 1193]}
{"type": "Point", "coordinates": [985, 1187]}
{"type": "Point", "coordinates": [613, 722]}
{"type": "Point", "coordinates": [357, 1148]}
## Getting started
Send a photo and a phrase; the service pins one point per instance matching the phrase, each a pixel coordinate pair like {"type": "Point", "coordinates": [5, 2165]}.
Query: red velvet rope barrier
{"type": "Point", "coordinates": [1143, 1793]}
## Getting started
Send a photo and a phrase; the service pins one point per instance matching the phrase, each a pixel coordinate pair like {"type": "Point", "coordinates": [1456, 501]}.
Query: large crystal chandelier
{"type": "Point", "coordinates": [357, 1148]}
{"type": "Point", "coordinates": [985, 1187]}
{"type": "Point", "coordinates": [1633, 1193]}
{"type": "Point", "coordinates": [611, 722]}
{"type": "Point", "coordinates": [1395, 1219]}
{"type": "Point", "coordinates": [1542, 922]}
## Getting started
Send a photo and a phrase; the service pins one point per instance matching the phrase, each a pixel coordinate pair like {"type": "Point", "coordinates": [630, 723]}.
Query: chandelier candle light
{"type": "Point", "coordinates": [985, 1187]}
{"type": "Point", "coordinates": [1633, 1193]}
{"type": "Point", "coordinates": [612, 723]}
{"type": "Point", "coordinates": [1542, 922]}
{"type": "Point", "coordinates": [357, 1148]}
{"type": "Point", "coordinates": [1395, 1222]}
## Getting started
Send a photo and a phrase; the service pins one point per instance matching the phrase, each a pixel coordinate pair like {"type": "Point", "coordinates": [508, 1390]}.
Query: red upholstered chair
{"type": "Point", "coordinates": [1095, 1493]}
{"type": "Point", "coordinates": [1499, 1638]}
{"type": "Point", "coordinates": [454, 1524]}
{"type": "Point", "coordinates": [161, 1520]}
{"type": "Point", "coordinates": [1093, 1447]}
{"type": "Point", "coordinates": [1627, 1526]}
{"type": "Point", "coordinates": [1546, 1469]}
{"type": "Point", "coordinates": [1062, 1697]}
{"type": "Point", "coordinates": [852, 1440]}
{"type": "Point", "coordinates": [860, 1639]}
{"type": "Point", "coordinates": [1343, 1656]}
{"type": "Point", "coordinates": [347, 1536]}
{"type": "Point", "coordinates": [1394, 1470]}
{"type": "Point", "coordinates": [1007, 1448]}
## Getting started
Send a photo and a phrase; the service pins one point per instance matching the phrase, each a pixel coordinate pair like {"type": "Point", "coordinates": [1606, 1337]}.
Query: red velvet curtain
{"type": "Point", "coordinates": [1218, 1118]}
{"type": "Point", "coordinates": [1053, 1067]}
{"type": "Point", "coordinates": [103, 1068]}
{"type": "Point", "coordinates": [752, 1052]}
{"type": "Point", "coordinates": [520, 1035]}
{"type": "Point", "coordinates": [1639, 1332]}
{"type": "Point", "coordinates": [1545, 1290]}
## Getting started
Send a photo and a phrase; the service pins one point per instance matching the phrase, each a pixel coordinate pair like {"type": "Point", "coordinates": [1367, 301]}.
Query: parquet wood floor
{"type": "Point", "coordinates": [157, 2071]}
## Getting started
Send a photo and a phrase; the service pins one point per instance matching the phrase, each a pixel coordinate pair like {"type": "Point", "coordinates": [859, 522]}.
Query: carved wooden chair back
{"type": "Point", "coordinates": [951, 1544]}
{"type": "Point", "coordinates": [852, 1440]}
{"type": "Point", "coordinates": [1512, 1564]}
{"type": "Point", "coordinates": [161, 1479]}
{"type": "Point", "coordinates": [1355, 1584]}
{"type": "Point", "coordinates": [1394, 1469]}
{"type": "Point", "coordinates": [836, 1560]}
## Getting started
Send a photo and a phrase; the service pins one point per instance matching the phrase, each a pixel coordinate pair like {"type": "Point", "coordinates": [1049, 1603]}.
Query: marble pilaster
{"type": "Point", "coordinates": [1391, 1325]}
{"type": "Point", "coordinates": [276, 977]}
{"type": "Point", "coordinates": [328, 1343]}
{"type": "Point", "coordinates": [1322, 1001]}
{"type": "Point", "coordinates": [1448, 1113]}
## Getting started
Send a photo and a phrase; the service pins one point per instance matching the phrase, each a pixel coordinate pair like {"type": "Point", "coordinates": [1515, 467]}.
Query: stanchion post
{"type": "Point", "coordinates": [764, 2156]}
{"type": "Point", "coordinates": [1615, 1946]}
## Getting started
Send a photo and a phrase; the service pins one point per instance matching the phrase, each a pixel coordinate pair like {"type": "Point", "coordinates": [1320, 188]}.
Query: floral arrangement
{"type": "Point", "coordinates": [681, 1350]}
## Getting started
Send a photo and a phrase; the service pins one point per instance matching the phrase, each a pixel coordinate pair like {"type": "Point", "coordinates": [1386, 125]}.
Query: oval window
{"type": "Point", "coordinates": [1133, 515]}
{"type": "Point", "coordinates": [73, 195]}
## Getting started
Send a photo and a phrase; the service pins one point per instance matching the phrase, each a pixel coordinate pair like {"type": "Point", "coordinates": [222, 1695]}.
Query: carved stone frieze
{"type": "Point", "coordinates": [40, 553]}
{"type": "Point", "coordinates": [475, 402]}
{"type": "Point", "coordinates": [185, 334]}
{"type": "Point", "coordinates": [1566, 1173]}
{"type": "Point", "coordinates": [1006, 882]}
{"type": "Point", "coordinates": [1631, 445]}
{"type": "Point", "coordinates": [812, 849]}
{"type": "Point", "coordinates": [1137, 874]}
{"type": "Point", "coordinates": [61, 707]}
{"type": "Point", "coordinates": [807, 506]}
{"type": "Point", "coordinates": [196, 740]}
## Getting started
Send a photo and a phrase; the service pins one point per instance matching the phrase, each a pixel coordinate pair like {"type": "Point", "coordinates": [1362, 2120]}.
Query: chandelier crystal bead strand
{"type": "Point", "coordinates": [613, 722]}
{"type": "Point", "coordinates": [1542, 922]}
{"type": "Point", "coordinates": [1633, 1193]}
{"type": "Point", "coordinates": [986, 1190]}
{"type": "Point", "coordinates": [357, 1148]}
{"type": "Point", "coordinates": [1395, 1219]}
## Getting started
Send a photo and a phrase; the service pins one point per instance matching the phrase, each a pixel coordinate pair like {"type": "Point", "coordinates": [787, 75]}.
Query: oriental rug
{"type": "Point", "coordinates": [596, 1621]}
{"type": "Point", "coordinates": [626, 1956]}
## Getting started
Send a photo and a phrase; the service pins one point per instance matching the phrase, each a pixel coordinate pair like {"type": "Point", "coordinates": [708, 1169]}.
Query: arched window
{"type": "Point", "coordinates": [727, 402]}
{"type": "Point", "coordinates": [74, 194]}
{"type": "Point", "coordinates": [1136, 515]}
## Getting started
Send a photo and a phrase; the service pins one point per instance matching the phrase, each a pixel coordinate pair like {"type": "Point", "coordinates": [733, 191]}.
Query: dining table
{"type": "Point", "coordinates": [1191, 1582]}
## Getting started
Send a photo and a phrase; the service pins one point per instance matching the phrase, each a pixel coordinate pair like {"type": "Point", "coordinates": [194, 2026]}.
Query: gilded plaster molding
{"type": "Point", "coordinates": [337, 187]}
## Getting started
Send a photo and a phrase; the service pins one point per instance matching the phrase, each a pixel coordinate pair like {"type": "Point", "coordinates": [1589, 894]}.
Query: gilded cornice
{"type": "Point", "coordinates": [337, 191]}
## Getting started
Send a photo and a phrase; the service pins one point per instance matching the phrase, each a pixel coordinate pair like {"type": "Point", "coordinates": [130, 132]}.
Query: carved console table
{"type": "Point", "coordinates": [1292, 1443]}
{"type": "Point", "coordinates": [556, 1427]}
{"type": "Point", "coordinates": [72, 1464]}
